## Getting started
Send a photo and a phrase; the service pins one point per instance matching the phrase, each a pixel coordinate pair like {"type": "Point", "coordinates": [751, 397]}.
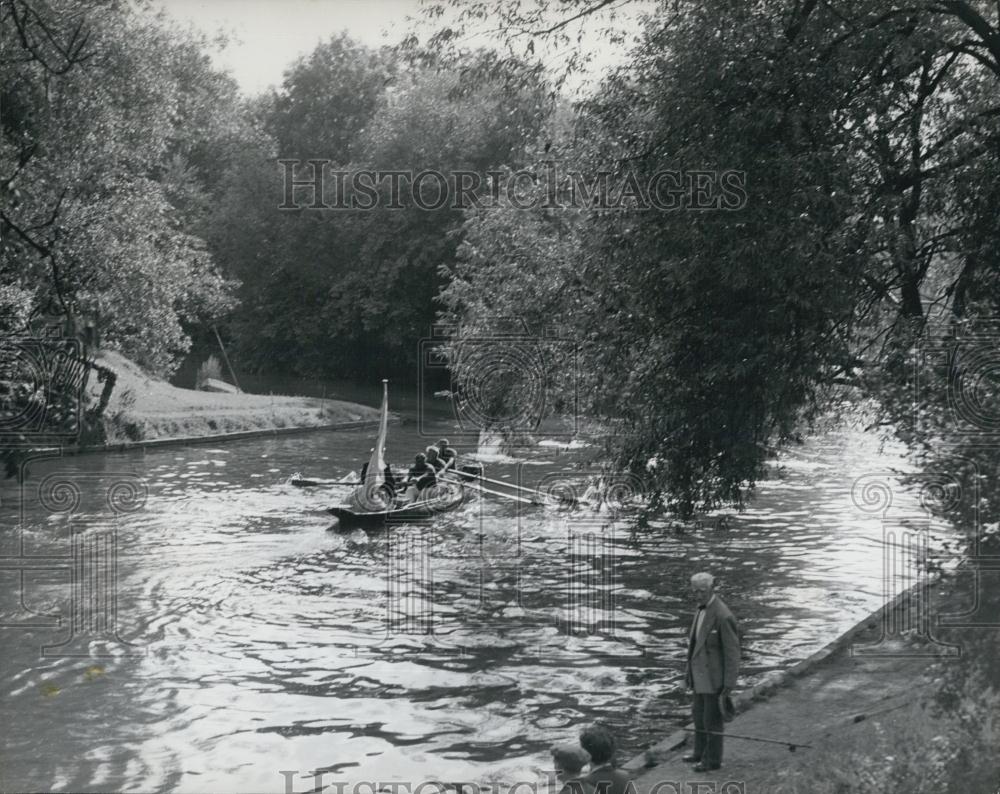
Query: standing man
{"type": "Point", "coordinates": [712, 663]}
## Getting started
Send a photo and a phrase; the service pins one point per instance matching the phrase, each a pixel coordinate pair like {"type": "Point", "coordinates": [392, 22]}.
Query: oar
{"type": "Point", "coordinates": [538, 497]}
{"type": "Point", "coordinates": [535, 493]}
{"type": "Point", "coordinates": [306, 482]}
{"type": "Point", "coordinates": [303, 482]}
{"type": "Point", "coordinates": [532, 491]}
{"type": "Point", "coordinates": [481, 489]}
{"type": "Point", "coordinates": [504, 484]}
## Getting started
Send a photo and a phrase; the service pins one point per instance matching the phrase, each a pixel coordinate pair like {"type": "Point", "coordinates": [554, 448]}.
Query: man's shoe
{"type": "Point", "coordinates": [703, 767]}
{"type": "Point", "coordinates": [691, 759]}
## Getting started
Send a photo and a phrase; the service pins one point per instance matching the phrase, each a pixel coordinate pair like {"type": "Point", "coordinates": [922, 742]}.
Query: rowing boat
{"type": "Point", "coordinates": [369, 503]}
{"type": "Point", "coordinates": [444, 497]}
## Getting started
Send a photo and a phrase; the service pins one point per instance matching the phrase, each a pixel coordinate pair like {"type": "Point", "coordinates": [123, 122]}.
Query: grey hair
{"type": "Point", "coordinates": [703, 579]}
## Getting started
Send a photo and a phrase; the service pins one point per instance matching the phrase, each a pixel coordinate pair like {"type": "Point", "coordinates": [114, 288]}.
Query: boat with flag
{"type": "Point", "coordinates": [374, 501]}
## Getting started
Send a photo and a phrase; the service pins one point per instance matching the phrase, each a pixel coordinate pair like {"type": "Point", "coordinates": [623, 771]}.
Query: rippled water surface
{"type": "Point", "coordinates": [248, 639]}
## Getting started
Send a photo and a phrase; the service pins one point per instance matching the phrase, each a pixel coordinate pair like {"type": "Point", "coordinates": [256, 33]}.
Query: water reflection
{"type": "Point", "coordinates": [458, 650]}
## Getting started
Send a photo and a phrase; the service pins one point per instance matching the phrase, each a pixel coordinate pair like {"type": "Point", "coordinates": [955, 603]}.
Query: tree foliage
{"type": "Point", "coordinates": [352, 291]}
{"type": "Point", "coordinates": [102, 105]}
{"type": "Point", "coordinates": [867, 133]}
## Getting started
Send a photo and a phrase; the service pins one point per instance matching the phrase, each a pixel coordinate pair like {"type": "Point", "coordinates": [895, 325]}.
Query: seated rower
{"type": "Point", "coordinates": [447, 454]}
{"type": "Point", "coordinates": [420, 476]}
{"type": "Point", "coordinates": [434, 458]}
{"type": "Point", "coordinates": [390, 480]}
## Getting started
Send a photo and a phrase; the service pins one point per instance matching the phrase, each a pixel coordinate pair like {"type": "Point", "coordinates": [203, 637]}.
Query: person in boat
{"type": "Point", "coordinates": [434, 458]}
{"type": "Point", "coordinates": [421, 475]}
{"type": "Point", "coordinates": [447, 454]}
{"type": "Point", "coordinates": [390, 480]}
{"type": "Point", "coordinates": [389, 486]}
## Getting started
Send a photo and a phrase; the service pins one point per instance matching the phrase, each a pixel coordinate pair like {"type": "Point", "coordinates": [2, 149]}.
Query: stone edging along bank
{"type": "Point", "coordinates": [216, 438]}
{"type": "Point", "coordinates": [775, 680]}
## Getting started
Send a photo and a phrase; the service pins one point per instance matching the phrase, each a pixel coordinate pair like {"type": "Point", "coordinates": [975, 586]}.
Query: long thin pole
{"type": "Point", "coordinates": [481, 489]}
{"type": "Point", "coordinates": [790, 745]}
{"type": "Point", "coordinates": [506, 484]}
{"type": "Point", "coordinates": [534, 492]}
{"type": "Point", "coordinates": [224, 356]}
{"type": "Point", "coordinates": [536, 498]}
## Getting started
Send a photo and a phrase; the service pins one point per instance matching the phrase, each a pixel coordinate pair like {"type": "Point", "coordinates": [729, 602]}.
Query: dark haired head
{"type": "Point", "coordinates": [421, 457]}
{"type": "Point", "coordinates": [599, 742]}
{"type": "Point", "coordinates": [569, 759]}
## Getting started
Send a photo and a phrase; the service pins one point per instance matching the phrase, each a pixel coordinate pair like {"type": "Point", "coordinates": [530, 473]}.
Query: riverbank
{"type": "Point", "coordinates": [144, 410]}
{"type": "Point", "coordinates": [891, 705]}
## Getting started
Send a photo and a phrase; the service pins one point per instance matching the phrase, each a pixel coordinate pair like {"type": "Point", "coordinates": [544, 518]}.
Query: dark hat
{"type": "Point", "coordinates": [726, 707]}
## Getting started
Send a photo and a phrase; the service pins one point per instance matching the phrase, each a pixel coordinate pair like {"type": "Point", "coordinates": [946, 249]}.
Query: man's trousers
{"type": "Point", "coordinates": [708, 729]}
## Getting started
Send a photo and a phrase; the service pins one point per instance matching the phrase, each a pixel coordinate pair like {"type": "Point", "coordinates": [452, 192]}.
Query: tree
{"type": "Point", "coordinates": [708, 337]}
{"type": "Point", "coordinates": [87, 223]}
{"type": "Point", "coordinates": [353, 290]}
{"type": "Point", "coordinates": [328, 99]}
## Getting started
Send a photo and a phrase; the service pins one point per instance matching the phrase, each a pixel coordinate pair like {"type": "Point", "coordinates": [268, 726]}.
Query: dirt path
{"type": "Point", "coordinates": [835, 704]}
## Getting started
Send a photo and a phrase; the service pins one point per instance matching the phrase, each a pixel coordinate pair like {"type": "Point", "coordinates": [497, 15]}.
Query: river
{"type": "Point", "coordinates": [248, 646]}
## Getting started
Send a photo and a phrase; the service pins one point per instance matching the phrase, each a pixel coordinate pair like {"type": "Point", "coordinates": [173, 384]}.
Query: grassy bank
{"type": "Point", "coordinates": [143, 408]}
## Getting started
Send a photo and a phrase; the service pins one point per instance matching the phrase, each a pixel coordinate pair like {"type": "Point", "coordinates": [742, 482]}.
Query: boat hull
{"type": "Point", "coordinates": [421, 510]}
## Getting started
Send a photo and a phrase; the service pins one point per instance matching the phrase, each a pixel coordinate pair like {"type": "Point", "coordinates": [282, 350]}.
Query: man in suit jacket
{"type": "Point", "coordinates": [712, 663]}
{"type": "Point", "coordinates": [603, 777]}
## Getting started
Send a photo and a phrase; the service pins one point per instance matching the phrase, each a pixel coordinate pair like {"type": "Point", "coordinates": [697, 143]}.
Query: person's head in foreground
{"type": "Point", "coordinates": [702, 585]}
{"type": "Point", "coordinates": [569, 760]}
{"type": "Point", "coordinates": [599, 744]}
{"type": "Point", "coordinates": [420, 458]}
